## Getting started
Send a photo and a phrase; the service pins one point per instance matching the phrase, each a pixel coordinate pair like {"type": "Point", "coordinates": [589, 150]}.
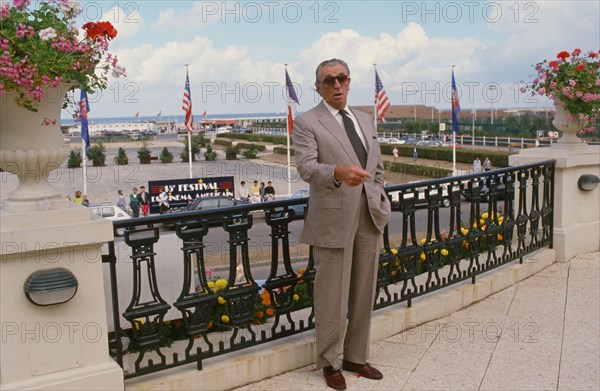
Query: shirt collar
{"type": "Point", "coordinates": [335, 111]}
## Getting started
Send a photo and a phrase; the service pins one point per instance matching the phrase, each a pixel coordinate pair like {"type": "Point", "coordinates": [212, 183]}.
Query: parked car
{"type": "Point", "coordinates": [111, 212]}
{"type": "Point", "coordinates": [297, 211]}
{"type": "Point", "coordinates": [422, 201]}
{"type": "Point", "coordinates": [204, 203]}
{"type": "Point", "coordinates": [449, 144]}
{"type": "Point", "coordinates": [429, 143]}
{"type": "Point", "coordinates": [484, 190]}
{"type": "Point", "coordinates": [393, 140]}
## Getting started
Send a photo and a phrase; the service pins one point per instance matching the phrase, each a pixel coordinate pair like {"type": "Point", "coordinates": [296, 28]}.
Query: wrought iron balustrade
{"type": "Point", "coordinates": [441, 232]}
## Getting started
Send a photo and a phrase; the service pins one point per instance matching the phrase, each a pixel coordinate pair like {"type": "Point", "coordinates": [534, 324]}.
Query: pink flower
{"type": "Point", "coordinates": [21, 4]}
{"type": "Point", "coordinates": [542, 91]}
{"type": "Point", "coordinates": [4, 11]}
{"type": "Point", "coordinates": [572, 83]}
{"type": "Point", "coordinates": [47, 34]}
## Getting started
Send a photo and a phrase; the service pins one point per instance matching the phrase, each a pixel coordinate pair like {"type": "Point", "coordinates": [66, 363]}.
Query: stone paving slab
{"type": "Point", "coordinates": [540, 334]}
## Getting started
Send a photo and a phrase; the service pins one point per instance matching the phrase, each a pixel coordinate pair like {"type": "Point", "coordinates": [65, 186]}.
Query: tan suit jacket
{"type": "Point", "coordinates": [320, 144]}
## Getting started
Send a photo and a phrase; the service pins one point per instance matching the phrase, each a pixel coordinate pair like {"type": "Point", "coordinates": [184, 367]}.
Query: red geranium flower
{"type": "Point", "coordinates": [95, 29]}
{"type": "Point", "coordinates": [580, 67]}
{"type": "Point", "coordinates": [562, 55]}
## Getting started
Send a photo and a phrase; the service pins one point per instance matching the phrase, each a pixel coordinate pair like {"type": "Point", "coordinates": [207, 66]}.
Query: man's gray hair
{"type": "Point", "coordinates": [330, 63]}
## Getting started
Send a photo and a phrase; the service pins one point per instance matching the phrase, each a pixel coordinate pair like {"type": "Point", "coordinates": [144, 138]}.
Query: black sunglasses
{"type": "Point", "coordinates": [329, 81]}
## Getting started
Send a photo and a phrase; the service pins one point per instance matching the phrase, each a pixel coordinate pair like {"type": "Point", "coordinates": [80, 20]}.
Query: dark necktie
{"type": "Point", "coordinates": [357, 144]}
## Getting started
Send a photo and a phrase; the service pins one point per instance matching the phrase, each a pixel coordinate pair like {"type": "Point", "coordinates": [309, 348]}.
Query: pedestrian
{"type": "Point", "coordinates": [262, 192]}
{"type": "Point", "coordinates": [144, 200]}
{"type": "Point", "coordinates": [415, 153]}
{"type": "Point", "coordinates": [134, 203]}
{"type": "Point", "coordinates": [163, 200]}
{"type": "Point", "coordinates": [243, 192]}
{"type": "Point", "coordinates": [84, 200]}
{"type": "Point", "coordinates": [255, 193]}
{"type": "Point", "coordinates": [269, 192]}
{"type": "Point", "coordinates": [78, 198]}
{"type": "Point", "coordinates": [337, 153]}
{"type": "Point", "coordinates": [121, 201]}
{"type": "Point", "coordinates": [477, 165]}
{"type": "Point", "coordinates": [487, 164]}
{"type": "Point", "coordinates": [395, 152]}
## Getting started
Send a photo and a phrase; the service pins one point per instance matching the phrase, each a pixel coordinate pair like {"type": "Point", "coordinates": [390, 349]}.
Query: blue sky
{"type": "Point", "coordinates": [236, 50]}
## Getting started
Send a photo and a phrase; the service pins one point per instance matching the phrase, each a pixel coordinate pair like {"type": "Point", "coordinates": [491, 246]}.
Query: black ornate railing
{"type": "Point", "coordinates": [442, 232]}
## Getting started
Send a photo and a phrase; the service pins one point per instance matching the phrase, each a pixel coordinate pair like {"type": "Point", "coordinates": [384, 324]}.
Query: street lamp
{"type": "Point", "coordinates": [473, 114]}
{"type": "Point", "coordinates": [493, 88]}
{"type": "Point", "coordinates": [415, 111]}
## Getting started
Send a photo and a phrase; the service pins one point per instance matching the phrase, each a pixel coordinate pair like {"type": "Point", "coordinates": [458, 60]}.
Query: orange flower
{"type": "Point", "coordinates": [269, 311]}
{"type": "Point", "coordinates": [266, 302]}
{"type": "Point", "coordinates": [260, 314]}
{"type": "Point", "coordinates": [499, 237]}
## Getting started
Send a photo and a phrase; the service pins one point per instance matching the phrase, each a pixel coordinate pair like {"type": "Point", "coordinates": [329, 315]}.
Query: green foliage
{"type": "Point", "coordinates": [283, 151]}
{"type": "Point", "coordinates": [233, 149]}
{"type": "Point", "coordinates": [222, 142]}
{"type": "Point", "coordinates": [418, 170]}
{"type": "Point", "coordinates": [463, 155]}
{"type": "Point", "coordinates": [210, 155]}
{"type": "Point", "coordinates": [195, 149]}
{"type": "Point", "coordinates": [254, 137]}
{"type": "Point", "coordinates": [75, 159]}
{"type": "Point", "coordinates": [166, 156]}
{"type": "Point", "coordinates": [121, 159]}
{"type": "Point", "coordinates": [97, 154]}
{"type": "Point", "coordinates": [258, 147]}
{"type": "Point", "coordinates": [251, 153]}
{"type": "Point", "coordinates": [144, 153]}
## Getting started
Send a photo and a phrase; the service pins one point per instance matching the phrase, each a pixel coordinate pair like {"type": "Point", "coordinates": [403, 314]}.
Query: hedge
{"type": "Point", "coordinates": [283, 150]}
{"type": "Point", "coordinates": [258, 147]}
{"type": "Point", "coordinates": [417, 170]}
{"type": "Point", "coordinates": [254, 137]}
{"type": "Point", "coordinates": [463, 155]}
{"type": "Point", "coordinates": [224, 143]}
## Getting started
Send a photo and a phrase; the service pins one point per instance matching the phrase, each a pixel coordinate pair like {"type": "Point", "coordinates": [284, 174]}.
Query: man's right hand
{"type": "Point", "coordinates": [350, 175]}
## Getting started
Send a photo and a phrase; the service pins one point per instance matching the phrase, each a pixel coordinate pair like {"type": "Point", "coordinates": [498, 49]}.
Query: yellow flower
{"type": "Point", "coordinates": [481, 222]}
{"type": "Point", "coordinates": [139, 322]}
{"type": "Point", "coordinates": [464, 231]}
{"type": "Point", "coordinates": [396, 263]}
{"type": "Point", "coordinates": [221, 300]}
{"type": "Point", "coordinates": [394, 251]}
{"type": "Point", "coordinates": [394, 273]}
{"type": "Point", "coordinates": [484, 215]}
{"type": "Point", "coordinates": [211, 284]}
{"type": "Point", "coordinates": [423, 256]}
{"type": "Point", "coordinates": [444, 252]}
{"type": "Point", "coordinates": [221, 283]}
{"type": "Point", "coordinates": [296, 297]}
{"type": "Point", "coordinates": [225, 319]}
{"type": "Point", "coordinates": [422, 241]}
{"type": "Point", "coordinates": [500, 219]}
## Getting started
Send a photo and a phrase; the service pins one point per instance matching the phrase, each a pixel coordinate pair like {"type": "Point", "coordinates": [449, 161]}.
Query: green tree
{"type": "Point", "coordinates": [195, 149]}
{"type": "Point", "coordinates": [121, 159]}
{"type": "Point", "coordinates": [97, 154]}
{"type": "Point", "coordinates": [74, 159]}
{"type": "Point", "coordinates": [166, 156]}
{"type": "Point", "coordinates": [210, 155]}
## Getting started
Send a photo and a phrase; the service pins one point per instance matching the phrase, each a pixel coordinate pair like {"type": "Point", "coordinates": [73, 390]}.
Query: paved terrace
{"type": "Point", "coordinates": [529, 326]}
{"type": "Point", "coordinates": [540, 334]}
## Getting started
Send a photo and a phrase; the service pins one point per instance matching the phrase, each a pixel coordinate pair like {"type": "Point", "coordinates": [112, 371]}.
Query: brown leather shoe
{"type": "Point", "coordinates": [334, 378]}
{"type": "Point", "coordinates": [365, 370]}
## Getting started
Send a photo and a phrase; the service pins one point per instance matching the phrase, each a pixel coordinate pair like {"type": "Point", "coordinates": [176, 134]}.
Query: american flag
{"type": "Point", "coordinates": [292, 102]}
{"type": "Point", "coordinates": [187, 105]}
{"type": "Point", "coordinates": [455, 105]}
{"type": "Point", "coordinates": [382, 104]}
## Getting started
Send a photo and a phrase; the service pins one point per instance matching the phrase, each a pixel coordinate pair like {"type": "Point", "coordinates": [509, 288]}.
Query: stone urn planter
{"type": "Point", "coordinates": [568, 126]}
{"type": "Point", "coordinates": [32, 146]}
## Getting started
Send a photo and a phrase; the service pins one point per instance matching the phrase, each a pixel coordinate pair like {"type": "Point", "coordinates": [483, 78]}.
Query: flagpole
{"type": "Point", "coordinates": [375, 102]}
{"type": "Point", "coordinates": [84, 166]}
{"type": "Point", "coordinates": [453, 132]}
{"type": "Point", "coordinates": [289, 160]}
{"type": "Point", "coordinates": [189, 131]}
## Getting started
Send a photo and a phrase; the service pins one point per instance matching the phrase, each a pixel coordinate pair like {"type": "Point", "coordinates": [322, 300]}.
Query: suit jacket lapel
{"type": "Point", "coordinates": [337, 131]}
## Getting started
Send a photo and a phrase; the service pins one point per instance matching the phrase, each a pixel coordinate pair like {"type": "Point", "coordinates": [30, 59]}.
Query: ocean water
{"type": "Point", "coordinates": [178, 118]}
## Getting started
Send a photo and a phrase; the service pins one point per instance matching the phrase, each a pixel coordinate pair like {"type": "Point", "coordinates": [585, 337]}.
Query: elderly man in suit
{"type": "Point", "coordinates": [338, 154]}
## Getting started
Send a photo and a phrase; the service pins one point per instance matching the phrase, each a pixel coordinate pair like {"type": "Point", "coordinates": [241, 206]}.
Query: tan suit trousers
{"type": "Point", "coordinates": [345, 292]}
